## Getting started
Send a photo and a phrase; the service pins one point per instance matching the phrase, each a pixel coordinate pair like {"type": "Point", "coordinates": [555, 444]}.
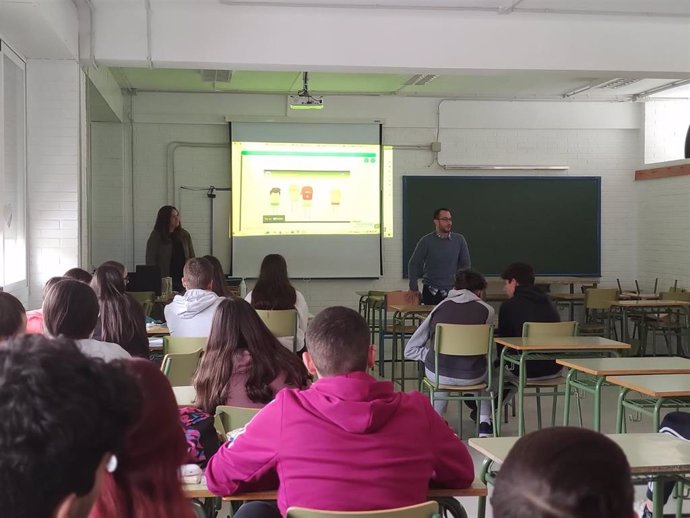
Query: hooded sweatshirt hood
{"type": "Point", "coordinates": [354, 402]}
{"type": "Point", "coordinates": [191, 314]}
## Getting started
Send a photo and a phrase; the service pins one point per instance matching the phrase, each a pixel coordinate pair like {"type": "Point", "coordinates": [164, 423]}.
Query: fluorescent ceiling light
{"type": "Point", "coordinates": [661, 88]}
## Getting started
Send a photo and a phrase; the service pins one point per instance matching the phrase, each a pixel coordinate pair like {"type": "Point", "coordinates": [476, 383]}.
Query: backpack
{"type": "Point", "coordinates": [201, 436]}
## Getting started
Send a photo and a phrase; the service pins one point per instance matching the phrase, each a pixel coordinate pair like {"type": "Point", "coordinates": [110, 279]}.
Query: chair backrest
{"type": "Point", "coordinates": [230, 418]}
{"type": "Point", "coordinates": [180, 368]}
{"type": "Point", "coordinates": [463, 339]}
{"type": "Point", "coordinates": [423, 510]}
{"type": "Point", "coordinates": [549, 329]}
{"type": "Point", "coordinates": [280, 322]}
{"type": "Point", "coordinates": [600, 298]}
{"type": "Point", "coordinates": [145, 298]}
{"type": "Point", "coordinates": [675, 295]}
{"type": "Point", "coordinates": [183, 344]}
{"type": "Point", "coordinates": [395, 297]}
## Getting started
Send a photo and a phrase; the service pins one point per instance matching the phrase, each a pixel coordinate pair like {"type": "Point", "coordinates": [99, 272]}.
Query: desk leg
{"type": "Point", "coordinates": [566, 398]}
{"type": "Point", "coordinates": [572, 310]}
{"type": "Point", "coordinates": [620, 415]}
{"type": "Point", "coordinates": [597, 403]}
{"type": "Point", "coordinates": [657, 499]}
{"type": "Point", "coordinates": [481, 506]}
{"type": "Point", "coordinates": [522, 381]}
{"type": "Point", "coordinates": [501, 384]}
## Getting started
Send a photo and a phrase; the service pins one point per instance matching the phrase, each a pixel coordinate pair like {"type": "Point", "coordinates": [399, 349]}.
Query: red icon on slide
{"type": "Point", "coordinates": [307, 193]}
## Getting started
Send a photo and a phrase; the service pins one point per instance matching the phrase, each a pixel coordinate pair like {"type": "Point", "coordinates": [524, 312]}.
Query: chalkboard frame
{"type": "Point", "coordinates": [407, 180]}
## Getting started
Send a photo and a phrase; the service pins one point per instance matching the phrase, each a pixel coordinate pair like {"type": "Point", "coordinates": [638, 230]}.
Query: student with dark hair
{"type": "Point", "coordinates": [347, 443]}
{"type": "Point", "coordinates": [462, 306]}
{"type": "Point", "coordinates": [12, 317]}
{"type": "Point", "coordinates": [218, 286]}
{"type": "Point", "coordinates": [147, 482]}
{"type": "Point", "coordinates": [274, 291]}
{"type": "Point", "coordinates": [191, 314]}
{"type": "Point", "coordinates": [78, 275]}
{"type": "Point", "coordinates": [121, 268]}
{"type": "Point", "coordinates": [34, 317]}
{"type": "Point", "coordinates": [64, 417]}
{"type": "Point", "coordinates": [526, 303]}
{"type": "Point", "coordinates": [436, 258]}
{"type": "Point", "coordinates": [169, 246]}
{"type": "Point", "coordinates": [121, 319]}
{"type": "Point", "coordinates": [564, 473]}
{"type": "Point", "coordinates": [70, 310]}
{"type": "Point", "coordinates": [244, 364]}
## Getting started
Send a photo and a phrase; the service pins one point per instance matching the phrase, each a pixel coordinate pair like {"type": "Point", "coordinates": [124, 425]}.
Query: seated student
{"type": "Point", "coordinates": [347, 443]}
{"type": "Point", "coordinates": [191, 314]}
{"type": "Point", "coordinates": [564, 473]}
{"type": "Point", "coordinates": [58, 439]}
{"type": "Point", "coordinates": [462, 306]}
{"type": "Point", "coordinates": [78, 275]}
{"type": "Point", "coordinates": [70, 309]}
{"type": "Point", "coordinates": [274, 291]}
{"type": "Point", "coordinates": [147, 481]}
{"type": "Point", "coordinates": [12, 317]}
{"type": "Point", "coordinates": [526, 303]}
{"type": "Point", "coordinates": [34, 317]}
{"type": "Point", "coordinates": [121, 319]}
{"type": "Point", "coordinates": [678, 425]}
{"type": "Point", "coordinates": [244, 364]}
{"type": "Point", "coordinates": [218, 287]}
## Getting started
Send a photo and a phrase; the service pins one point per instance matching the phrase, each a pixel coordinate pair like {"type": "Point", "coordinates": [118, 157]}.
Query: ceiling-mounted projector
{"type": "Point", "coordinates": [304, 100]}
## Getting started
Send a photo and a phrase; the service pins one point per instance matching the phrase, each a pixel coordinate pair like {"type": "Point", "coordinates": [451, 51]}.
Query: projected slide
{"type": "Point", "coordinates": [305, 189]}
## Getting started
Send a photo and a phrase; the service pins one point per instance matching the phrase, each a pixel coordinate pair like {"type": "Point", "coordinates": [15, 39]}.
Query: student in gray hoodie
{"type": "Point", "coordinates": [191, 314]}
{"type": "Point", "coordinates": [463, 306]}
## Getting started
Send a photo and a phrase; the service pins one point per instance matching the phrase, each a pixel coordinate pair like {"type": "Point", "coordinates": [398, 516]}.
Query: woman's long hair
{"type": "Point", "coordinates": [122, 317]}
{"type": "Point", "coordinates": [218, 286]}
{"type": "Point", "coordinates": [146, 483]}
{"type": "Point", "coordinates": [237, 328]}
{"type": "Point", "coordinates": [162, 224]}
{"type": "Point", "coordinates": [273, 289]}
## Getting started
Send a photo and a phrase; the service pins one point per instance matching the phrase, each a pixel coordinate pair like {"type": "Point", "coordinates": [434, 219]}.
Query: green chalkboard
{"type": "Point", "coordinates": [552, 223]}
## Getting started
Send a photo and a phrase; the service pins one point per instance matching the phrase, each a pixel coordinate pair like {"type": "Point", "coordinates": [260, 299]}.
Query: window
{"type": "Point", "coordinates": [12, 170]}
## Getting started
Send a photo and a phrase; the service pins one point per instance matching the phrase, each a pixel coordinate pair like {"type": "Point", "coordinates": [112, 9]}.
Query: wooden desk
{"type": "Point", "coordinates": [571, 299]}
{"type": "Point", "coordinates": [649, 307]}
{"type": "Point", "coordinates": [652, 455]}
{"type": "Point", "coordinates": [589, 375]}
{"type": "Point", "coordinates": [518, 351]}
{"type": "Point", "coordinates": [402, 315]}
{"type": "Point", "coordinates": [192, 491]}
{"type": "Point", "coordinates": [158, 330]}
{"type": "Point", "coordinates": [662, 391]}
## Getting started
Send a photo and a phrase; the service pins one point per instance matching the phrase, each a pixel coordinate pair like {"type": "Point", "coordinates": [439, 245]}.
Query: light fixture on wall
{"type": "Point", "coordinates": [304, 100]}
{"type": "Point", "coordinates": [660, 88]}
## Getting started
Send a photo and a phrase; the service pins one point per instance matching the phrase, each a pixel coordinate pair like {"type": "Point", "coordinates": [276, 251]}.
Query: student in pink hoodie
{"type": "Point", "coordinates": [347, 443]}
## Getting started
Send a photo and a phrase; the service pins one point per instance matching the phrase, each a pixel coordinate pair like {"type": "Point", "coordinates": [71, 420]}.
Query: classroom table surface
{"type": "Point", "coordinates": [159, 329]}
{"type": "Point", "coordinates": [566, 343]}
{"type": "Point", "coordinates": [201, 491]}
{"type": "Point", "coordinates": [411, 308]}
{"type": "Point", "coordinates": [568, 297]}
{"type": "Point", "coordinates": [647, 453]}
{"type": "Point", "coordinates": [627, 366]}
{"type": "Point", "coordinates": [184, 394]}
{"type": "Point", "coordinates": [650, 303]}
{"type": "Point", "coordinates": [655, 385]}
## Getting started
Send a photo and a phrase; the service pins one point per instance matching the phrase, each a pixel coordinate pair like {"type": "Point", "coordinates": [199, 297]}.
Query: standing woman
{"type": "Point", "coordinates": [121, 319]}
{"type": "Point", "coordinates": [169, 245]}
{"type": "Point", "coordinates": [274, 291]}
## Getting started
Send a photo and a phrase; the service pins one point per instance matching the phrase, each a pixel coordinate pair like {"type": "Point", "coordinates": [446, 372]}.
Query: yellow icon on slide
{"type": "Point", "coordinates": [336, 195]}
{"type": "Point", "coordinates": [293, 193]}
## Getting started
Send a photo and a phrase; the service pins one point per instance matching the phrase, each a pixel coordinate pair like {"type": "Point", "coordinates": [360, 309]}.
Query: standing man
{"type": "Point", "coordinates": [436, 258]}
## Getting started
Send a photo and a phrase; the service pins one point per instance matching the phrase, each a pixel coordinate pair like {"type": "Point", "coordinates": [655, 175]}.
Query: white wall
{"type": "Point", "coordinates": [665, 127]}
{"type": "Point", "coordinates": [607, 143]}
{"type": "Point", "coordinates": [53, 169]}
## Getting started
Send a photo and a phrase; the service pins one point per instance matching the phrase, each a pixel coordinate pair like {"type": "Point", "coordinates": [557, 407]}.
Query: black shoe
{"type": "Point", "coordinates": [473, 415]}
{"type": "Point", "coordinates": [486, 429]}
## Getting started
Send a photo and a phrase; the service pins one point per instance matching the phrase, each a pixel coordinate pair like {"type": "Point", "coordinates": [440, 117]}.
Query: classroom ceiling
{"type": "Point", "coordinates": [483, 85]}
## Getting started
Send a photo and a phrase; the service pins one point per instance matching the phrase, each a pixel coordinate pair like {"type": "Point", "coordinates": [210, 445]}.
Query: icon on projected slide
{"type": "Point", "coordinates": [293, 193]}
{"type": "Point", "coordinates": [274, 196]}
{"type": "Point", "coordinates": [336, 195]}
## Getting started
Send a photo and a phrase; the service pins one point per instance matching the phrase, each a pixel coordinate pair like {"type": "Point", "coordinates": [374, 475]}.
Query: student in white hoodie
{"type": "Point", "coordinates": [70, 310]}
{"type": "Point", "coordinates": [191, 314]}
